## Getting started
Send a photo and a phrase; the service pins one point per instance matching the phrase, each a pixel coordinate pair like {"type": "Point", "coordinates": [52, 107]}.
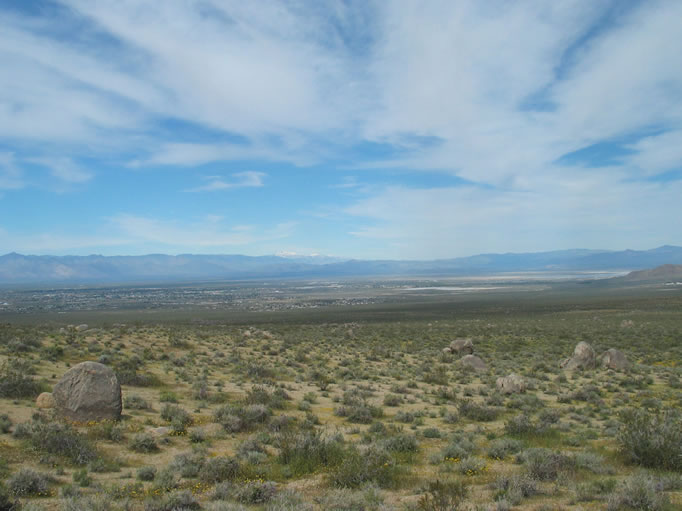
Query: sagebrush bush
{"type": "Point", "coordinates": [27, 482]}
{"type": "Point", "coordinates": [254, 492]}
{"type": "Point", "coordinates": [57, 438]}
{"type": "Point", "coordinates": [174, 501]}
{"type": "Point", "coordinates": [305, 452]}
{"type": "Point", "coordinates": [178, 417]}
{"type": "Point", "coordinates": [652, 439]}
{"type": "Point", "coordinates": [15, 383]}
{"type": "Point", "coordinates": [443, 496]}
{"type": "Point", "coordinates": [146, 473]}
{"type": "Point", "coordinates": [638, 492]}
{"type": "Point", "coordinates": [5, 423]}
{"type": "Point", "coordinates": [545, 464]}
{"type": "Point", "coordinates": [373, 465]}
{"type": "Point", "coordinates": [143, 442]}
{"type": "Point", "coordinates": [477, 412]}
{"type": "Point", "coordinates": [135, 402]}
{"type": "Point", "coordinates": [219, 469]}
{"type": "Point", "coordinates": [503, 447]}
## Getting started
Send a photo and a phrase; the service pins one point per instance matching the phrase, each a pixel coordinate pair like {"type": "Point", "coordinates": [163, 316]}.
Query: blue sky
{"type": "Point", "coordinates": [400, 129]}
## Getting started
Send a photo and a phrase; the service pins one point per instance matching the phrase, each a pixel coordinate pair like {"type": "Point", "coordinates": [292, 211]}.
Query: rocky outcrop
{"type": "Point", "coordinates": [511, 384]}
{"type": "Point", "coordinates": [462, 347]}
{"type": "Point", "coordinates": [88, 391]}
{"type": "Point", "coordinates": [614, 359]}
{"type": "Point", "coordinates": [474, 362]}
{"type": "Point", "coordinates": [583, 358]}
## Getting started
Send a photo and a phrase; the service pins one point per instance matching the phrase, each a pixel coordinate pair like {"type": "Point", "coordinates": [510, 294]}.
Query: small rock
{"type": "Point", "coordinates": [614, 359]}
{"type": "Point", "coordinates": [583, 357]}
{"type": "Point", "coordinates": [162, 431]}
{"type": "Point", "coordinates": [447, 351]}
{"type": "Point", "coordinates": [511, 384]}
{"type": "Point", "coordinates": [81, 328]}
{"type": "Point", "coordinates": [474, 362]}
{"type": "Point", "coordinates": [45, 400]}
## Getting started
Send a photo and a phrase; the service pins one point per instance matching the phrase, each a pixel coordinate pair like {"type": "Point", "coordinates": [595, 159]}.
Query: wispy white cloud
{"type": "Point", "coordinates": [126, 234]}
{"type": "Point", "coordinates": [11, 176]}
{"type": "Point", "coordinates": [195, 236]}
{"type": "Point", "coordinates": [247, 179]}
{"type": "Point", "coordinates": [64, 169]}
{"type": "Point", "coordinates": [493, 92]}
{"type": "Point", "coordinates": [584, 210]}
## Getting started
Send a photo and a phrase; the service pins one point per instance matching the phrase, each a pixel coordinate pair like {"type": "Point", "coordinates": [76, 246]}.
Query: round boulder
{"type": "Point", "coordinates": [45, 400]}
{"type": "Point", "coordinates": [511, 384]}
{"type": "Point", "coordinates": [614, 359]}
{"type": "Point", "coordinates": [88, 391]}
{"type": "Point", "coordinates": [474, 362]}
{"type": "Point", "coordinates": [462, 346]}
{"type": "Point", "coordinates": [583, 357]}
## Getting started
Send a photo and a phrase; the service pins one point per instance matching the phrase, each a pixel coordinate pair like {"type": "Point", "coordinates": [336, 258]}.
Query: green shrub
{"type": "Point", "coordinates": [519, 425]}
{"type": "Point", "coordinates": [237, 418]}
{"type": "Point", "coordinates": [15, 383]}
{"type": "Point", "coordinates": [219, 469]}
{"type": "Point", "coordinates": [57, 438]}
{"type": "Point", "coordinates": [178, 417]}
{"type": "Point", "coordinates": [359, 413]}
{"type": "Point", "coordinates": [639, 492]}
{"type": "Point", "coordinates": [373, 465]}
{"type": "Point", "coordinates": [27, 482]}
{"type": "Point", "coordinates": [5, 423]}
{"type": "Point", "coordinates": [305, 452]}
{"type": "Point", "coordinates": [287, 500]}
{"type": "Point", "coordinates": [477, 412]}
{"type": "Point", "coordinates": [135, 402]}
{"type": "Point", "coordinates": [652, 439]}
{"type": "Point", "coordinates": [392, 400]}
{"type": "Point", "coordinates": [7, 503]}
{"type": "Point", "coordinates": [146, 473]}
{"type": "Point", "coordinates": [143, 442]}
{"type": "Point", "coordinates": [352, 500]}
{"type": "Point", "coordinates": [166, 396]}
{"type": "Point", "coordinates": [545, 464]}
{"type": "Point", "coordinates": [502, 447]}
{"type": "Point", "coordinates": [189, 463]}
{"type": "Point", "coordinates": [402, 442]}
{"type": "Point", "coordinates": [174, 501]}
{"type": "Point", "coordinates": [255, 492]}
{"type": "Point", "coordinates": [514, 489]}
{"type": "Point", "coordinates": [442, 496]}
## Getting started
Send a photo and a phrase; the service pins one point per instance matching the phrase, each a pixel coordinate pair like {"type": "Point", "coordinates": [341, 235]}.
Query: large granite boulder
{"type": "Point", "coordinates": [462, 346]}
{"type": "Point", "coordinates": [511, 384]}
{"type": "Point", "coordinates": [583, 358]}
{"type": "Point", "coordinates": [88, 391]}
{"type": "Point", "coordinates": [473, 362]}
{"type": "Point", "coordinates": [614, 359]}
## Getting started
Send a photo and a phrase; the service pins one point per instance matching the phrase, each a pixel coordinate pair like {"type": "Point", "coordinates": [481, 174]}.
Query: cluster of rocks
{"type": "Point", "coordinates": [89, 391]}
{"type": "Point", "coordinates": [465, 349]}
{"type": "Point", "coordinates": [584, 357]}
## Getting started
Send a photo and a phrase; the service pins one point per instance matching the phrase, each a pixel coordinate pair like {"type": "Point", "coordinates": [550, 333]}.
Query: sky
{"type": "Point", "coordinates": [366, 129]}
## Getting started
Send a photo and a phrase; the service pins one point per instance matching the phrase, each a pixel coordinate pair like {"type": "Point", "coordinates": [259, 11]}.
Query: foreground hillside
{"type": "Point", "coordinates": [353, 416]}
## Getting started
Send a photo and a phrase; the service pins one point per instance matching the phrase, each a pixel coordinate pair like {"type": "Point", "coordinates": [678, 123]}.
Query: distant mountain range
{"type": "Point", "coordinates": [25, 269]}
